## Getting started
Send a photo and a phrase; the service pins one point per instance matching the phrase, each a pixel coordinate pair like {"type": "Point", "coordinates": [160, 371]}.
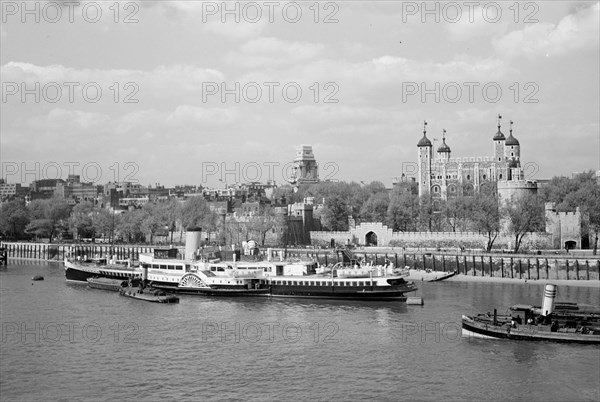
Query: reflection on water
{"type": "Point", "coordinates": [275, 348]}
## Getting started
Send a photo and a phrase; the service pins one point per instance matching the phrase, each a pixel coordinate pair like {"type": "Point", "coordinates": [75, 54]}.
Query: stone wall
{"type": "Point", "coordinates": [385, 237]}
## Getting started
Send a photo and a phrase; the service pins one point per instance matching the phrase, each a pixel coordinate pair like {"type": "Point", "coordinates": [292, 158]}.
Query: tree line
{"type": "Point", "coordinates": [401, 209]}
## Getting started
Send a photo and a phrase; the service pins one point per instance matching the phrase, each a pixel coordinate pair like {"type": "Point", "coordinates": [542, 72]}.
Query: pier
{"type": "Point", "coordinates": [518, 266]}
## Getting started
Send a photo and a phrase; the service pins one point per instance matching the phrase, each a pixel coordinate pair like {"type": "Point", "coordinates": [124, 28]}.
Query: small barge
{"type": "Point", "coordinates": [561, 322]}
{"type": "Point", "coordinates": [106, 283]}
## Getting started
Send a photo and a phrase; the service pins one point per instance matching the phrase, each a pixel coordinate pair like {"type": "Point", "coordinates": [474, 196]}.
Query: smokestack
{"type": "Point", "coordinates": [548, 301]}
{"type": "Point", "coordinates": [192, 241]}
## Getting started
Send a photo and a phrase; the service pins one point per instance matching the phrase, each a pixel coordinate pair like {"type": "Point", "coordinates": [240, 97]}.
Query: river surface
{"type": "Point", "coordinates": [68, 342]}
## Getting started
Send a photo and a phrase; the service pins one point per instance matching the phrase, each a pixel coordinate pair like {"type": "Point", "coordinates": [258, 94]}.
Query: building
{"type": "Point", "coordinates": [11, 190]}
{"type": "Point", "coordinates": [43, 189]}
{"type": "Point", "coordinates": [565, 227]}
{"type": "Point", "coordinates": [443, 176]}
{"type": "Point", "coordinates": [75, 191]}
{"type": "Point", "coordinates": [306, 169]}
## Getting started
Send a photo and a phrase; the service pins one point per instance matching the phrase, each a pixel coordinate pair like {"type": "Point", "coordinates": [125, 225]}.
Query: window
{"type": "Point", "coordinates": [512, 154]}
{"type": "Point", "coordinates": [361, 283]}
{"type": "Point", "coordinates": [354, 283]}
{"type": "Point", "coordinates": [162, 266]}
{"type": "Point", "coordinates": [468, 177]}
{"type": "Point", "coordinates": [501, 175]}
{"type": "Point", "coordinates": [484, 177]}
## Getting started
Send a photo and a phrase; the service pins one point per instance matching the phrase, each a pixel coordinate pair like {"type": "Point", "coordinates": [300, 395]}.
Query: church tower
{"type": "Point", "coordinates": [425, 153]}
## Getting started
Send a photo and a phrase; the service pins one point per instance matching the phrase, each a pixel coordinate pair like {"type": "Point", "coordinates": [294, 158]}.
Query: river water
{"type": "Point", "coordinates": [69, 342]}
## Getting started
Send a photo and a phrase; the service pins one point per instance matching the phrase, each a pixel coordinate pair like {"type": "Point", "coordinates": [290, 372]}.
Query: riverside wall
{"type": "Point", "coordinates": [57, 252]}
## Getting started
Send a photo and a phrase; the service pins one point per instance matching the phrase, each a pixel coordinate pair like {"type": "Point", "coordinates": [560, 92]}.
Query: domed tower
{"type": "Point", "coordinates": [512, 148]}
{"type": "Point", "coordinates": [443, 152]}
{"type": "Point", "coordinates": [425, 153]}
{"type": "Point", "coordinates": [499, 140]}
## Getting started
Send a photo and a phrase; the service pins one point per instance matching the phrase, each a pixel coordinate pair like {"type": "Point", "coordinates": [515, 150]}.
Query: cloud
{"type": "Point", "coordinates": [59, 118]}
{"type": "Point", "coordinates": [574, 32]}
{"type": "Point", "coordinates": [273, 52]}
{"type": "Point", "coordinates": [477, 28]}
{"type": "Point", "coordinates": [163, 83]}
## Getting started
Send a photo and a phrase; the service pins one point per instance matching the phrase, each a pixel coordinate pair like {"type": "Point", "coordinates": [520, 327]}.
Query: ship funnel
{"type": "Point", "coordinates": [192, 241]}
{"type": "Point", "coordinates": [548, 302]}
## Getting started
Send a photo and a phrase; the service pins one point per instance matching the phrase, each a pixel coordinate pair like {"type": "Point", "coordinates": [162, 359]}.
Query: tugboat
{"type": "Point", "coordinates": [136, 289]}
{"type": "Point", "coordinates": [554, 322]}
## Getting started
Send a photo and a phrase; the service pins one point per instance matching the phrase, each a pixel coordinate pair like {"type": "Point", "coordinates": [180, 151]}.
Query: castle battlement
{"type": "Point", "coordinates": [465, 159]}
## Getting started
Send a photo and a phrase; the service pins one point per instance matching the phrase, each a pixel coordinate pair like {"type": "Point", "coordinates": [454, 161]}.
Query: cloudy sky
{"type": "Point", "coordinates": [191, 92]}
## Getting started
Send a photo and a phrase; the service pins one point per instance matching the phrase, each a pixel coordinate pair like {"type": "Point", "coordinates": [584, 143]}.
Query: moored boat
{"type": "Point", "coordinates": [81, 271]}
{"type": "Point", "coordinates": [565, 322]}
{"type": "Point", "coordinates": [136, 290]}
{"type": "Point", "coordinates": [106, 283]}
{"type": "Point", "coordinates": [165, 269]}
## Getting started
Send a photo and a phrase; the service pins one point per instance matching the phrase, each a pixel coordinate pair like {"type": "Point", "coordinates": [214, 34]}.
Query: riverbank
{"type": "Point", "coordinates": [559, 282]}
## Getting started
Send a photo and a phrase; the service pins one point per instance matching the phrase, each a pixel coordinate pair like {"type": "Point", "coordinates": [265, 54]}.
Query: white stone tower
{"type": "Point", "coordinates": [425, 153]}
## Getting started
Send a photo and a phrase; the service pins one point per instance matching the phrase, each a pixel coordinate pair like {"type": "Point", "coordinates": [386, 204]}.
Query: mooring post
{"type": "Point", "coordinates": [587, 270]}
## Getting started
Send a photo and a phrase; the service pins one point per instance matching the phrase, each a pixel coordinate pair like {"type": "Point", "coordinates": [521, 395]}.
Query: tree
{"type": "Point", "coordinates": [261, 223]}
{"type": "Point", "coordinates": [14, 217]}
{"type": "Point", "coordinates": [80, 220]}
{"type": "Point", "coordinates": [486, 218]}
{"type": "Point", "coordinates": [403, 211]}
{"type": "Point", "coordinates": [128, 226]}
{"type": "Point", "coordinates": [154, 219]}
{"type": "Point", "coordinates": [457, 212]}
{"type": "Point", "coordinates": [375, 208]}
{"type": "Point", "coordinates": [104, 222]}
{"type": "Point", "coordinates": [524, 214]}
{"type": "Point", "coordinates": [335, 213]}
{"type": "Point", "coordinates": [195, 212]}
{"type": "Point", "coordinates": [47, 216]}
{"type": "Point", "coordinates": [425, 213]}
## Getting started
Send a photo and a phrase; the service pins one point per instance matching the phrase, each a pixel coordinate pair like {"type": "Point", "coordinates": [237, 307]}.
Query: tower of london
{"type": "Point", "coordinates": [443, 176]}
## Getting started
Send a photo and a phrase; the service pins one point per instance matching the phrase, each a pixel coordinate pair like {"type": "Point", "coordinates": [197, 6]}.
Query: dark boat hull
{"type": "Point", "coordinates": [113, 285]}
{"type": "Point", "coordinates": [475, 329]}
{"type": "Point", "coordinates": [75, 272]}
{"type": "Point", "coordinates": [148, 295]}
{"type": "Point", "coordinates": [229, 292]}
{"type": "Point", "coordinates": [291, 292]}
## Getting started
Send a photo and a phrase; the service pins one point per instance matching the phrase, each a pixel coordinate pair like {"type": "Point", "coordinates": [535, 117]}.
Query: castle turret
{"type": "Point", "coordinates": [443, 152]}
{"type": "Point", "coordinates": [425, 153]}
{"type": "Point", "coordinates": [499, 140]}
{"type": "Point", "coordinates": [512, 148]}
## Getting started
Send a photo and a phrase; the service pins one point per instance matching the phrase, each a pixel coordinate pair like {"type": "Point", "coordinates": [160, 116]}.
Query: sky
{"type": "Point", "coordinates": [217, 93]}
